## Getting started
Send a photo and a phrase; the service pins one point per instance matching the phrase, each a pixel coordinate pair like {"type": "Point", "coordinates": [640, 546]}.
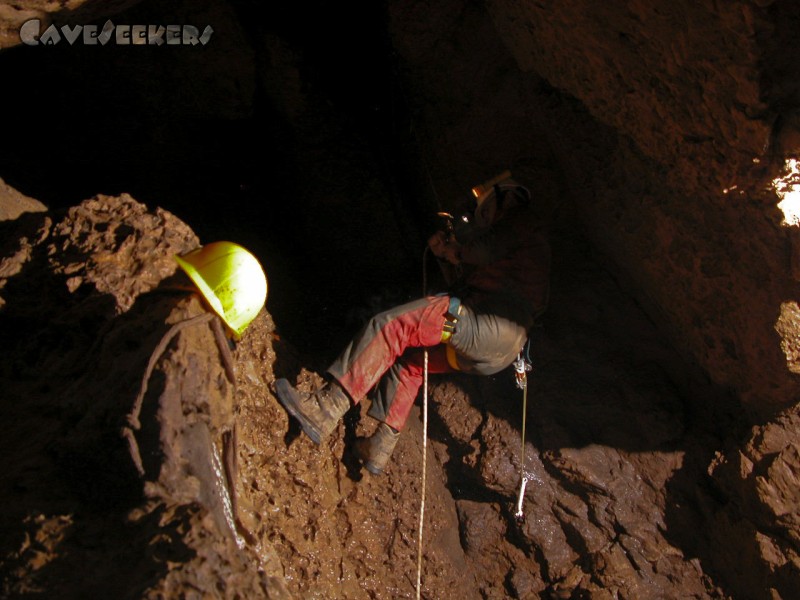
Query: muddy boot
{"type": "Point", "coordinates": [318, 412]}
{"type": "Point", "coordinates": [375, 451]}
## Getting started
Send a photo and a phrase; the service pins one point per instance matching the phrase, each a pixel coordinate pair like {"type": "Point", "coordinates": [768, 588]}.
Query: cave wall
{"type": "Point", "coordinates": [695, 96]}
{"type": "Point", "coordinates": [681, 117]}
{"type": "Point", "coordinates": [667, 125]}
{"type": "Point", "coordinates": [657, 130]}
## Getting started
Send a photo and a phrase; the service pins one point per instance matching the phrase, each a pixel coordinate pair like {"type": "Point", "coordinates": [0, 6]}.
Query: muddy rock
{"type": "Point", "coordinates": [115, 457]}
{"type": "Point", "coordinates": [132, 416]}
{"type": "Point", "coordinates": [14, 15]}
{"type": "Point", "coordinates": [145, 423]}
{"type": "Point", "coordinates": [763, 521]}
{"type": "Point", "coordinates": [13, 203]}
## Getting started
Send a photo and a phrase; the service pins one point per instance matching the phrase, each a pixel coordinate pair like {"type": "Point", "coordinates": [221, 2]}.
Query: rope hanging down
{"type": "Point", "coordinates": [424, 435]}
{"type": "Point", "coordinates": [521, 368]}
{"type": "Point", "coordinates": [424, 469]}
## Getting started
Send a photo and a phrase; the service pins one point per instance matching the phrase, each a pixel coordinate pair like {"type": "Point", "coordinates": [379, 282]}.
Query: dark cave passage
{"type": "Point", "coordinates": [106, 120]}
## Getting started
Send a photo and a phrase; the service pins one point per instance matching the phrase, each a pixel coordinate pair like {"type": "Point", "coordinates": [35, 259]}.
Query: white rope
{"type": "Point", "coordinates": [424, 470]}
{"type": "Point", "coordinates": [424, 438]}
{"type": "Point", "coordinates": [521, 368]}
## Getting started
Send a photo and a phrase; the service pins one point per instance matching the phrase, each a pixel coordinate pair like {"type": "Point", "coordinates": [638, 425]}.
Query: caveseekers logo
{"type": "Point", "coordinates": [31, 34]}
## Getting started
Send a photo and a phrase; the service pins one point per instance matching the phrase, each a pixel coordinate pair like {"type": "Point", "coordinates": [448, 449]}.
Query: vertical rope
{"type": "Point", "coordinates": [424, 438]}
{"type": "Point", "coordinates": [524, 420]}
{"type": "Point", "coordinates": [424, 471]}
{"type": "Point", "coordinates": [521, 368]}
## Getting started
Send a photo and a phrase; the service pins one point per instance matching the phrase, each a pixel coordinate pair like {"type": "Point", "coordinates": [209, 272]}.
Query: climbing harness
{"type": "Point", "coordinates": [522, 366]}
{"type": "Point", "coordinates": [450, 319]}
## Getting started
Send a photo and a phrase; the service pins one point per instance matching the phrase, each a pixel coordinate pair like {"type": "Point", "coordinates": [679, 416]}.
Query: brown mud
{"type": "Point", "coordinates": [124, 483]}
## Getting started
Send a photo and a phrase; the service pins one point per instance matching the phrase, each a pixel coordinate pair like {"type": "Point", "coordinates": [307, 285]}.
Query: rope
{"type": "Point", "coordinates": [524, 419]}
{"type": "Point", "coordinates": [424, 470]}
{"type": "Point", "coordinates": [521, 367]}
{"type": "Point", "coordinates": [424, 437]}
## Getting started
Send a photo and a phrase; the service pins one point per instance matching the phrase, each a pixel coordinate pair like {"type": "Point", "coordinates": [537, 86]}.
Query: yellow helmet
{"type": "Point", "coordinates": [485, 189]}
{"type": "Point", "coordinates": [231, 280]}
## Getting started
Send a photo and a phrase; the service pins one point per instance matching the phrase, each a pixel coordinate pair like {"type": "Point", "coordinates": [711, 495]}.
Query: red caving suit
{"type": "Point", "coordinates": [503, 289]}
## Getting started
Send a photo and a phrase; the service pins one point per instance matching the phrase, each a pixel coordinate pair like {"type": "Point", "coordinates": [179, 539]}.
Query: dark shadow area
{"type": "Point", "coordinates": [351, 462]}
{"type": "Point", "coordinates": [215, 135]}
{"type": "Point", "coordinates": [68, 471]}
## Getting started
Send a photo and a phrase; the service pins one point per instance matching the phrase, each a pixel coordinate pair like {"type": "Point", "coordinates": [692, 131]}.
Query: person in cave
{"type": "Point", "coordinates": [497, 269]}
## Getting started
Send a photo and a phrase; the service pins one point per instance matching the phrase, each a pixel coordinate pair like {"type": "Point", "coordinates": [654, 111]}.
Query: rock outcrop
{"type": "Point", "coordinates": [149, 448]}
{"type": "Point", "coordinates": [661, 446]}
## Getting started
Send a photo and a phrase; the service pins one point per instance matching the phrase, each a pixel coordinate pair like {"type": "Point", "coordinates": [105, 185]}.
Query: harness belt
{"type": "Point", "coordinates": [449, 327]}
{"type": "Point", "coordinates": [450, 319]}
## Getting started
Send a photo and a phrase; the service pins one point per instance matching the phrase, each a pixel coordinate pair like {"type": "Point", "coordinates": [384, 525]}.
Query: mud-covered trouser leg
{"type": "Point", "coordinates": [385, 339]}
{"type": "Point", "coordinates": [398, 389]}
{"type": "Point", "coordinates": [486, 343]}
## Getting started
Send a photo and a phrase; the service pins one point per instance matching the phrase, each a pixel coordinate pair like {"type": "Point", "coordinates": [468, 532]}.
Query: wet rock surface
{"type": "Point", "coordinates": [140, 465]}
{"type": "Point", "coordinates": [136, 457]}
{"type": "Point", "coordinates": [14, 204]}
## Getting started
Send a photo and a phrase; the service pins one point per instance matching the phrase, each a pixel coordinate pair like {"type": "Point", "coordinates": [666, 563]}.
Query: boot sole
{"type": "Point", "coordinates": [289, 399]}
{"type": "Point", "coordinates": [372, 468]}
